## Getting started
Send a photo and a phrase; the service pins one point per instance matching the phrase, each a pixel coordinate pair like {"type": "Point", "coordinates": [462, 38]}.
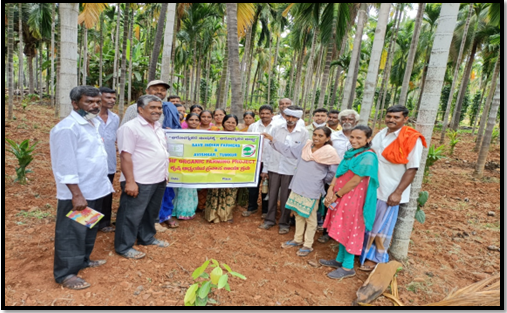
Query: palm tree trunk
{"type": "Point", "coordinates": [484, 86]}
{"type": "Point", "coordinates": [487, 104]}
{"type": "Point", "coordinates": [245, 58]}
{"type": "Point", "coordinates": [101, 44]}
{"type": "Point", "coordinates": [58, 63]}
{"type": "Point", "coordinates": [40, 72]}
{"type": "Point", "coordinates": [116, 50]}
{"type": "Point", "coordinates": [309, 73]}
{"type": "Point", "coordinates": [187, 83]}
{"type": "Point", "coordinates": [223, 78]}
{"type": "Point", "coordinates": [129, 90]}
{"type": "Point", "coordinates": [232, 37]}
{"type": "Point", "coordinates": [411, 55]}
{"type": "Point", "coordinates": [249, 62]}
{"type": "Point", "coordinates": [253, 83]}
{"type": "Point", "coordinates": [208, 70]}
{"type": "Point", "coordinates": [121, 101]}
{"type": "Point", "coordinates": [31, 87]}
{"type": "Point", "coordinates": [370, 84]}
{"type": "Point", "coordinates": [387, 70]}
{"type": "Point", "coordinates": [173, 51]}
{"type": "Point", "coordinates": [275, 63]}
{"type": "Point", "coordinates": [198, 78]}
{"type": "Point", "coordinates": [298, 73]}
{"type": "Point", "coordinates": [85, 53]}
{"type": "Point", "coordinates": [291, 75]}
{"type": "Point", "coordinates": [20, 53]}
{"type": "Point", "coordinates": [52, 93]}
{"type": "Point", "coordinates": [10, 52]}
{"type": "Point", "coordinates": [426, 123]}
{"type": "Point", "coordinates": [318, 77]}
{"type": "Point", "coordinates": [67, 76]}
{"type": "Point", "coordinates": [350, 83]}
{"type": "Point", "coordinates": [483, 153]}
{"type": "Point", "coordinates": [158, 41]}
{"type": "Point", "coordinates": [168, 40]}
{"type": "Point", "coordinates": [194, 75]}
{"type": "Point", "coordinates": [463, 87]}
{"type": "Point", "coordinates": [455, 76]}
{"type": "Point", "coordinates": [270, 72]}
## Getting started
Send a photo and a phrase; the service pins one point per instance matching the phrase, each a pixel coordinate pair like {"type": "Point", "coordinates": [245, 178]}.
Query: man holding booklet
{"type": "Point", "coordinates": [79, 163]}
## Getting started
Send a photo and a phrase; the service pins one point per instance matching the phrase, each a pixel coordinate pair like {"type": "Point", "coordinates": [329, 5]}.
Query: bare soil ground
{"type": "Point", "coordinates": [449, 250]}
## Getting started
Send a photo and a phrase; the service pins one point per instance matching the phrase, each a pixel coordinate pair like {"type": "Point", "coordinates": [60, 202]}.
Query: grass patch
{"type": "Point", "coordinates": [414, 287]}
{"type": "Point", "coordinates": [38, 214]}
{"type": "Point", "coordinates": [492, 226]}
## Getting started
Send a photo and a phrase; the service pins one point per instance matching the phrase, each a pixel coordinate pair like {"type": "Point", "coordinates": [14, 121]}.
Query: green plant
{"type": "Point", "coordinates": [198, 293]}
{"type": "Point", "coordinates": [434, 154]}
{"type": "Point", "coordinates": [453, 137]}
{"type": "Point", "coordinates": [420, 216]}
{"type": "Point", "coordinates": [495, 134]}
{"type": "Point", "coordinates": [24, 153]}
{"type": "Point", "coordinates": [38, 214]}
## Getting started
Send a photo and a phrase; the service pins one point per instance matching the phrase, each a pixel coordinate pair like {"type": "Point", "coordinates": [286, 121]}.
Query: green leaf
{"type": "Point", "coordinates": [222, 281]}
{"type": "Point", "coordinates": [204, 290]}
{"type": "Point", "coordinates": [227, 267]}
{"type": "Point", "coordinates": [227, 287]}
{"type": "Point", "coordinates": [191, 294]}
{"type": "Point", "coordinates": [238, 275]}
{"type": "Point", "coordinates": [423, 197]}
{"type": "Point", "coordinates": [198, 271]}
{"type": "Point", "coordinates": [420, 216]}
{"type": "Point", "coordinates": [215, 263]}
{"type": "Point", "coordinates": [215, 275]}
{"type": "Point", "coordinates": [212, 301]}
{"type": "Point", "coordinates": [204, 275]}
{"type": "Point", "coordinates": [137, 75]}
{"type": "Point", "coordinates": [201, 301]}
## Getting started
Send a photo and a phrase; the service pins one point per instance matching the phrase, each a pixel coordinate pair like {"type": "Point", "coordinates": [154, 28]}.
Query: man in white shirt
{"type": "Point", "coordinates": [319, 119]}
{"type": "Point", "coordinates": [348, 120]}
{"type": "Point", "coordinates": [399, 150]}
{"type": "Point", "coordinates": [263, 125]}
{"type": "Point", "coordinates": [280, 117]}
{"type": "Point", "coordinates": [109, 123]}
{"type": "Point", "coordinates": [79, 163]}
{"type": "Point", "coordinates": [144, 169]}
{"type": "Point", "coordinates": [281, 169]}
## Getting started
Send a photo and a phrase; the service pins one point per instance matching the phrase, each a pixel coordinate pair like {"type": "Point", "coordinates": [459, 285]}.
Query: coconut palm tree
{"type": "Point", "coordinates": [157, 43]}
{"type": "Point", "coordinates": [168, 41]}
{"type": "Point", "coordinates": [121, 101]}
{"type": "Point", "coordinates": [350, 83]}
{"type": "Point", "coordinates": [68, 43]}
{"type": "Point", "coordinates": [455, 76]}
{"type": "Point", "coordinates": [411, 55]}
{"type": "Point", "coordinates": [232, 39]}
{"type": "Point", "coordinates": [373, 66]}
{"type": "Point", "coordinates": [10, 51]}
{"type": "Point", "coordinates": [426, 123]}
{"type": "Point", "coordinates": [483, 153]}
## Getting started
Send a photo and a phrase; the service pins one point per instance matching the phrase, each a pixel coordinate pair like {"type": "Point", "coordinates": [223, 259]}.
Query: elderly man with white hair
{"type": "Point", "coordinates": [348, 120]}
{"type": "Point", "coordinates": [281, 169]}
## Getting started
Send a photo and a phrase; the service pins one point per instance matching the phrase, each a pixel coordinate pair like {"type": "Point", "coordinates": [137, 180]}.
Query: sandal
{"type": "Point", "coordinates": [304, 251]}
{"type": "Point", "coordinates": [367, 268]}
{"type": "Point", "coordinates": [159, 243]}
{"type": "Point", "coordinates": [75, 283]}
{"type": "Point", "coordinates": [323, 239]}
{"type": "Point", "coordinates": [265, 226]}
{"type": "Point", "coordinates": [133, 254]}
{"type": "Point", "coordinates": [291, 244]}
{"type": "Point", "coordinates": [170, 223]}
{"type": "Point", "coordinates": [107, 229]}
{"type": "Point", "coordinates": [283, 231]}
{"type": "Point", "coordinates": [248, 213]}
{"type": "Point", "coordinates": [96, 263]}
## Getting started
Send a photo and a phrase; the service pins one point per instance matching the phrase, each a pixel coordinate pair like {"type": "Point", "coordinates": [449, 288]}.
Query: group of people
{"type": "Point", "coordinates": [330, 175]}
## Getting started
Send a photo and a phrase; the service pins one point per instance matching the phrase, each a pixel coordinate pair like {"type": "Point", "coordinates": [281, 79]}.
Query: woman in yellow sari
{"type": "Point", "coordinates": [221, 201]}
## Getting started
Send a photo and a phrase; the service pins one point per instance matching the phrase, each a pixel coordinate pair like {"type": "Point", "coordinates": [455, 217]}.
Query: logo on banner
{"type": "Point", "coordinates": [248, 151]}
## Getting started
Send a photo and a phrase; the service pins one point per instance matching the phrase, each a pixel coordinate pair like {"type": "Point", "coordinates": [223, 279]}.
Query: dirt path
{"type": "Point", "coordinates": [448, 251]}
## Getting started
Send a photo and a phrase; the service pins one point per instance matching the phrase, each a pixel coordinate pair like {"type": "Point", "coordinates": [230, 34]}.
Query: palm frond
{"type": "Point", "coordinates": [246, 14]}
{"type": "Point", "coordinates": [91, 14]}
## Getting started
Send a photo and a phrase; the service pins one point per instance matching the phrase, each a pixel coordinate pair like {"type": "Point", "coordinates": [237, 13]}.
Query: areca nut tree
{"type": "Point", "coordinates": [350, 82]}
{"type": "Point", "coordinates": [455, 76]}
{"type": "Point", "coordinates": [411, 55]}
{"type": "Point", "coordinates": [483, 153]}
{"type": "Point", "coordinates": [426, 122]}
{"type": "Point", "coordinates": [10, 51]}
{"type": "Point", "coordinates": [121, 101]}
{"type": "Point", "coordinates": [168, 41]}
{"type": "Point", "coordinates": [156, 46]}
{"type": "Point", "coordinates": [67, 78]}
{"type": "Point", "coordinates": [20, 51]}
{"type": "Point", "coordinates": [233, 45]}
{"type": "Point", "coordinates": [373, 67]}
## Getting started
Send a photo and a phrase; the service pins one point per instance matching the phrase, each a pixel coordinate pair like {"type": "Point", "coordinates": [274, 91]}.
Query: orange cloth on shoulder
{"type": "Point", "coordinates": [397, 152]}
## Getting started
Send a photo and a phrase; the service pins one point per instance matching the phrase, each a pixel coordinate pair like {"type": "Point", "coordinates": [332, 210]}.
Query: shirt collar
{"type": "Point", "coordinates": [144, 122]}
{"type": "Point", "coordinates": [82, 121]}
{"type": "Point", "coordinates": [297, 128]}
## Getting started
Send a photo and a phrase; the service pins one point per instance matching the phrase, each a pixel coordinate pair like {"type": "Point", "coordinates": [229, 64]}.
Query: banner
{"type": "Point", "coordinates": [213, 159]}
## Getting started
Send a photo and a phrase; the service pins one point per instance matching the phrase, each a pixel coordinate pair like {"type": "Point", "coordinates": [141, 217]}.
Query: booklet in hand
{"type": "Point", "coordinates": [87, 217]}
